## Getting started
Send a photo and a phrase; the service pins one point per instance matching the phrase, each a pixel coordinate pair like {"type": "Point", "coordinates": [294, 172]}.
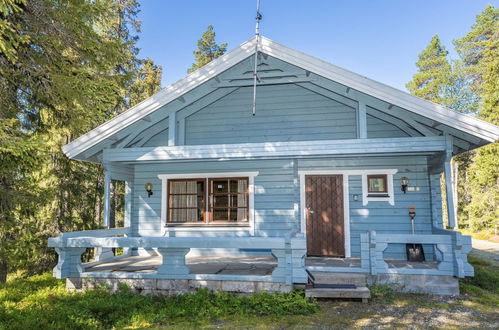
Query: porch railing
{"type": "Point", "coordinates": [451, 249]}
{"type": "Point", "coordinates": [290, 254]}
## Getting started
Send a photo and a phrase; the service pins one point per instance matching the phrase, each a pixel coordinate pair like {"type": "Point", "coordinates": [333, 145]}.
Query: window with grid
{"type": "Point", "coordinates": [377, 185]}
{"type": "Point", "coordinates": [228, 199]}
{"type": "Point", "coordinates": [186, 200]}
{"type": "Point", "coordinates": [215, 200]}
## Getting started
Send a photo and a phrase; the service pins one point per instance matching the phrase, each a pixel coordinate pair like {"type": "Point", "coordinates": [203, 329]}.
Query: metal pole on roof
{"type": "Point", "coordinates": [257, 39]}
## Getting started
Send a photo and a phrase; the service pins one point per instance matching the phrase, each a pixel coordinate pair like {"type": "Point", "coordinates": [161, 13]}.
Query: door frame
{"type": "Point", "coordinates": [346, 204]}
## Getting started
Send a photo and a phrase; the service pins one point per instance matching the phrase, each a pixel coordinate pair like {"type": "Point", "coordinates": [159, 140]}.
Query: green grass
{"type": "Point", "coordinates": [41, 302]}
{"type": "Point", "coordinates": [483, 288]}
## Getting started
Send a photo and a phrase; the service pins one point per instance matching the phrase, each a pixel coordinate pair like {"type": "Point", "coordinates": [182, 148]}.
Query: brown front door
{"type": "Point", "coordinates": [324, 208]}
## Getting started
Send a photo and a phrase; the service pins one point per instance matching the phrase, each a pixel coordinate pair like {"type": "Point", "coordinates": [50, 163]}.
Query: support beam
{"type": "Point", "coordinates": [375, 103]}
{"type": "Point", "coordinates": [392, 120]}
{"type": "Point", "coordinates": [361, 120]}
{"type": "Point", "coordinates": [423, 145]}
{"type": "Point", "coordinates": [135, 133]}
{"type": "Point", "coordinates": [172, 129]}
{"type": "Point", "coordinates": [107, 197]}
{"type": "Point", "coordinates": [451, 211]}
{"type": "Point", "coordinates": [266, 82]}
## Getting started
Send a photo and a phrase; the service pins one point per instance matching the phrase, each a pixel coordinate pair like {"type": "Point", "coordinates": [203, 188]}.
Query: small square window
{"type": "Point", "coordinates": [377, 185]}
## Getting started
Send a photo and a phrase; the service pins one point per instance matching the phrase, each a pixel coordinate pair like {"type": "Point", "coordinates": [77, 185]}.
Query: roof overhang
{"type": "Point", "coordinates": [464, 123]}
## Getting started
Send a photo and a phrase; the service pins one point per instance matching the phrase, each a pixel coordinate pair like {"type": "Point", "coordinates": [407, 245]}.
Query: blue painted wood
{"type": "Point", "coordinates": [285, 113]}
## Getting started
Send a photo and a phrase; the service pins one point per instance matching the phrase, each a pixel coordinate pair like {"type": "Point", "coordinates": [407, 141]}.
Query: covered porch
{"type": "Point", "coordinates": [286, 262]}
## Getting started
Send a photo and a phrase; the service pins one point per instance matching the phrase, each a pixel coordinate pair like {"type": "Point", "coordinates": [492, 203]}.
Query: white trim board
{"type": "Point", "coordinates": [389, 181]}
{"type": "Point", "coordinates": [464, 123]}
{"type": "Point", "coordinates": [251, 200]}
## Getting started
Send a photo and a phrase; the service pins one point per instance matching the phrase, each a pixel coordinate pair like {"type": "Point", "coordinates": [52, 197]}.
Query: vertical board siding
{"type": "Point", "coordinates": [284, 113]}
{"type": "Point", "coordinates": [276, 203]}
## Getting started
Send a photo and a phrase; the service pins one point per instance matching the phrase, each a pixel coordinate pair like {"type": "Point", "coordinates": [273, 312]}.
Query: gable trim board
{"type": "Point", "coordinates": [176, 91]}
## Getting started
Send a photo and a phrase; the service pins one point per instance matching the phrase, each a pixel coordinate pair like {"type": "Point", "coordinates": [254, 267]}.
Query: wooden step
{"type": "Point", "coordinates": [357, 293]}
{"type": "Point", "coordinates": [340, 278]}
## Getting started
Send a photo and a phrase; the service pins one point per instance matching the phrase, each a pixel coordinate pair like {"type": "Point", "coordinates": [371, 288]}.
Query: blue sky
{"type": "Point", "coordinates": [379, 39]}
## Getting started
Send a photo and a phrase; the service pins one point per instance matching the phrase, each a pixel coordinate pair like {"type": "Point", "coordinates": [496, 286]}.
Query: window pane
{"type": "Point", "coordinates": [220, 201]}
{"type": "Point", "coordinates": [220, 215]}
{"type": "Point", "coordinates": [239, 200]}
{"type": "Point", "coordinates": [238, 214]}
{"type": "Point", "coordinates": [220, 186]}
{"type": "Point", "coordinates": [186, 201]}
{"type": "Point", "coordinates": [377, 184]}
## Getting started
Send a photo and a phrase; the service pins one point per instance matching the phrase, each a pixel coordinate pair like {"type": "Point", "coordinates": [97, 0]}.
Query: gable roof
{"type": "Point", "coordinates": [465, 123]}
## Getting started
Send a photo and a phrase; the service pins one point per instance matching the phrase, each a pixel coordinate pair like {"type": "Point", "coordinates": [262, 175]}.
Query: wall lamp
{"type": "Point", "coordinates": [148, 187]}
{"type": "Point", "coordinates": [404, 182]}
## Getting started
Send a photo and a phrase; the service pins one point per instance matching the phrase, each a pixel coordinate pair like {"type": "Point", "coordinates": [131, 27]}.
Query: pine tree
{"type": "Point", "coordinates": [434, 72]}
{"type": "Point", "coordinates": [479, 50]}
{"type": "Point", "coordinates": [208, 49]}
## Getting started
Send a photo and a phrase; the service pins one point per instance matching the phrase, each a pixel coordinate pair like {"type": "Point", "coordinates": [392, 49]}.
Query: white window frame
{"type": "Point", "coordinates": [389, 182]}
{"type": "Point", "coordinates": [208, 227]}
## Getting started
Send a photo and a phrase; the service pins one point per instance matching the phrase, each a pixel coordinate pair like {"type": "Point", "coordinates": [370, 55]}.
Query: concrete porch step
{"type": "Point", "coordinates": [357, 293]}
{"type": "Point", "coordinates": [357, 279]}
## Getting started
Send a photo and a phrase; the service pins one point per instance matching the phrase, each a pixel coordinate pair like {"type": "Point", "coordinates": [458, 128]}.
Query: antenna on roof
{"type": "Point", "coordinates": [257, 39]}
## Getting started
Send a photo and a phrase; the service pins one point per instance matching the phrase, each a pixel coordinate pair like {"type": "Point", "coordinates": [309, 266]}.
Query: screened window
{"type": "Point", "coordinates": [208, 200]}
{"type": "Point", "coordinates": [377, 185]}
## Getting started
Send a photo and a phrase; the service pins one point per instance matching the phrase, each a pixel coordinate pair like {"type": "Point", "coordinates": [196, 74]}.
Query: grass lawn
{"type": "Point", "coordinates": [41, 302]}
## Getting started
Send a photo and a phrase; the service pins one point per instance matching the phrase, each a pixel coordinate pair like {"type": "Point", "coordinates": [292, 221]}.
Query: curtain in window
{"type": "Point", "coordinates": [242, 205]}
{"type": "Point", "coordinates": [184, 201]}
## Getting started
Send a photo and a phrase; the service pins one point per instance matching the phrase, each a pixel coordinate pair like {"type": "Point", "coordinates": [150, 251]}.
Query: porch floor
{"type": "Point", "coordinates": [220, 265]}
{"type": "Point", "coordinates": [236, 265]}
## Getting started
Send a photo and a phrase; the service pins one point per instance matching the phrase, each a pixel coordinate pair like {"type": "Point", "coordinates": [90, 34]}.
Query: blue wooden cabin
{"type": "Point", "coordinates": [325, 170]}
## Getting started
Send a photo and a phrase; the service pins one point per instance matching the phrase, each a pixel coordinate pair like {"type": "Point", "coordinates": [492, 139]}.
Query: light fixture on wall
{"type": "Point", "coordinates": [148, 187]}
{"type": "Point", "coordinates": [404, 182]}
{"type": "Point", "coordinates": [355, 197]}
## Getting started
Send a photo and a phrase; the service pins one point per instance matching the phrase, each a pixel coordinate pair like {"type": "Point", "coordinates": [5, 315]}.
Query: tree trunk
{"type": "Point", "coordinates": [3, 271]}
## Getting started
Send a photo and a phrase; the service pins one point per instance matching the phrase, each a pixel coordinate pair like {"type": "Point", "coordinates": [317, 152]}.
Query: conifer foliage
{"type": "Point", "coordinates": [470, 84]}
{"type": "Point", "coordinates": [433, 72]}
{"type": "Point", "coordinates": [65, 67]}
{"type": "Point", "coordinates": [208, 49]}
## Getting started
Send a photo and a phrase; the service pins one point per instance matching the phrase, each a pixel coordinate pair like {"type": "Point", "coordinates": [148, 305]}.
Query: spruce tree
{"type": "Point", "coordinates": [434, 72]}
{"type": "Point", "coordinates": [208, 49]}
{"type": "Point", "coordinates": [479, 51]}
{"type": "Point", "coordinates": [65, 67]}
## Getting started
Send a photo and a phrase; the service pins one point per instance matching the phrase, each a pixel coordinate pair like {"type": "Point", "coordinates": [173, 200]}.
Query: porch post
{"type": "Point", "coordinates": [69, 262]}
{"type": "Point", "coordinates": [451, 211]}
{"type": "Point", "coordinates": [107, 197]}
{"type": "Point", "coordinates": [173, 261]}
